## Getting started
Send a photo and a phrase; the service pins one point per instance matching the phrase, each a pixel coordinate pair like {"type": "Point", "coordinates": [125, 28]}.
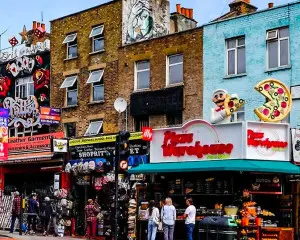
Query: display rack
{"type": "Point", "coordinates": [249, 233]}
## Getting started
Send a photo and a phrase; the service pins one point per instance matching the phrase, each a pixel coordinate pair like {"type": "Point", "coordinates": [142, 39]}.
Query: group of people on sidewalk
{"type": "Point", "coordinates": [46, 212]}
{"type": "Point", "coordinates": [168, 219]}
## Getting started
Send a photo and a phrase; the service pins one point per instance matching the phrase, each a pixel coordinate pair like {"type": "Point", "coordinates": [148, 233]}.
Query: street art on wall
{"type": "Point", "coordinates": [145, 19]}
{"type": "Point", "coordinates": [279, 101]}
{"type": "Point", "coordinates": [226, 105]}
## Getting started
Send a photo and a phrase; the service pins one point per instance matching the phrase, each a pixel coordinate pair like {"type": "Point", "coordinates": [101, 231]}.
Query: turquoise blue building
{"type": "Point", "coordinates": [240, 52]}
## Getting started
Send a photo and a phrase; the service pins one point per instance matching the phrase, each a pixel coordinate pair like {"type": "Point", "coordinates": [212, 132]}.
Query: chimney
{"type": "Point", "coordinates": [34, 25]}
{"type": "Point", "coordinates": [178, 7]}
{"type": "Point", "coordinates": [240, 7]}
{"type": "Point", "coordinates": [38, 24]}
{"type": "Point", "coordinates": [270, 5]}
{"type": "Point", "coordinates": [192, 13]}
{"type": "Point", "coordinates": [43, 26]}
{"type": "Point", "coordinates": [188, 13]}
{"type": "Point", "coordinates": [183, 11]}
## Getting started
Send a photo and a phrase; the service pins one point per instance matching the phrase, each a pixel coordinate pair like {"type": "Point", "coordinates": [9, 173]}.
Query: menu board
{"type": "Point", "coordinates": [266, 184]}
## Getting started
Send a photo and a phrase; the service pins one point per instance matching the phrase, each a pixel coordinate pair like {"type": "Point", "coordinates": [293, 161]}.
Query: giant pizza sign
{"type": "Point", "coordinates": [198, 140]}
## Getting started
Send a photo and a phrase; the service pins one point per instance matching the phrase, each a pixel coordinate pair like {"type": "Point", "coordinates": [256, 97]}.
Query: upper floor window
{"type": "Point", "coordinates": [142, 75]}
{"type": "Point", "coordinates": [70, 129]}
{"type": "Point", "coordinates": [236, 56]}
{"type": "Point", "coordinates": [278, 49]}
{"type": "Point", "coordinates": [21, 131]}
{"type": "Point", "coordinates": [140, 122]}
{"type": "Point", "coordinates": [24, 87]}
{"type": "Point", "coordinates": [96, 79]}
{"type": "Point", "coordinates": [70, 84]}
{"type": "Point", "coordinates": [94, 128]}
{"type": "Point", "coordinates": [175, 69]}
{"type": "Point", "coordinates": [71, 41]}
{"type": "Point", "coordinates": [174, 119]}
{"type": "Point", "coordinates": [97, 37]}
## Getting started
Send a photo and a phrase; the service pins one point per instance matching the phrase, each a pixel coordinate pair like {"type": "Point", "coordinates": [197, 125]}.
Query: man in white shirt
{"type": "Point", "coordinates": [190, 218]}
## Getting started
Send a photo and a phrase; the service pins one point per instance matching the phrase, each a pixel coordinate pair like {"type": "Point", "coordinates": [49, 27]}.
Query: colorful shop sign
{"type": "Point", "coordinates": [37, 143]}
{"type": "Point", "coordinates": [198, 140]}
{"type": "Point", "coordinates": [3, 134]}
{"type": "Point", "coordinates": [50, 116]}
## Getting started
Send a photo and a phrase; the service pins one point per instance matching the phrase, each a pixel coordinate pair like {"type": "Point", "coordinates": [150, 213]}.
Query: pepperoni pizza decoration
{"type": "Point", "coordinates": [232, 104]}
{"type": "Point", "coordinates": [279, 101]}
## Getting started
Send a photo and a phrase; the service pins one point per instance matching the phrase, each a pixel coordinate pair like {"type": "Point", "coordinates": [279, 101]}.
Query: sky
{"type": "Point", "coordinates": [14, 16]}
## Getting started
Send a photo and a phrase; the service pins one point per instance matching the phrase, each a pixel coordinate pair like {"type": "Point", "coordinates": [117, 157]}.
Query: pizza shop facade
{"type": "Point", "coordinates": [223, 167]}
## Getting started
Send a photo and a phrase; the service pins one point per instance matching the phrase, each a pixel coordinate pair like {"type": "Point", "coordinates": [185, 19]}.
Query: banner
{"type": "Point", "coordinates": [37, 143]}
{"type": "Point", "coordinates": [296, 145]}
{"type": "Point", "coordinates": [3, 134]}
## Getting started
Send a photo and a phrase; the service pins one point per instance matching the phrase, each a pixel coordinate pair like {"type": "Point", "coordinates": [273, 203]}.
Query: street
{"type": "Point", "coordinates": [15, 236]}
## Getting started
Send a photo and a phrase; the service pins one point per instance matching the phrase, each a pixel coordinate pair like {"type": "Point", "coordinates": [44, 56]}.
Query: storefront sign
{"type": "Point", "coordinates": [199, 140]}
{"type": "Point", "coordinates": [60, 145]}
{"type": "Point", "coordinates": [265, 184]}
{"type": "Point", "coordinates": [147, 134]}
{"type": "Point", "coordinates": [50, 116]}
{"type": "Point", "coordinates": [25, 51]}
{"type": "Point", "coordinates": [3, 134]}
{"type": "Point", "coordinates": [296, 145]}
{"type": "Point", "coordinates": [37, 143]}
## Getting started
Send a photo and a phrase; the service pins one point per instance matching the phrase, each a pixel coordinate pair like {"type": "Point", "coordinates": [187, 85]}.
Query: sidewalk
{"type": "Point", "coordinates": [5, 235]}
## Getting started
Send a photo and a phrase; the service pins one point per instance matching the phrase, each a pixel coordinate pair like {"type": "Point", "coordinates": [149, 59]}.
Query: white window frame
{"type": "Point", "coordinates": [68, 83]}
{"type": "Point", "coordinates": [93, 84]}
{"type": "Point", "coordinates": [100, 121]}
{"type": "Point", "coordinates": [23, 132]}
{"type": "Point", "coordinates": [69, 78]}
{"type": "Point", "coordinates": [70, 43]}
{"type": "Point", "coordinates": [237, 46]}
{"type": "Point", "coordinates": [174, 64]}
{"type": "Point", "coordinates": [136, 71]}
{"type": "Point", "coordinates": [68, 90]}
{"type": "Point", "coordinates": [28, 81]}
{"type": "Point", "coordinates": [277, 39]}
{"type": "Point", "coordinates": [97, 37]}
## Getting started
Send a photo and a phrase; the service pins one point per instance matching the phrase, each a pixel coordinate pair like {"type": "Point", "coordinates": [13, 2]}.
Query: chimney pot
{"type": "Point", "coordinates": [192, 13]}
{"type": "Point", "coordinates": [38, 24]}
{"type": "Point", "coordinates": [43, 26]}
{"type": "Point", "coordinates": [183, 11]}
{"type": "Point", "coordinates": [270, 5]}
{"type": "Point", "coordinates": [178, 7]}
{"type": "Point", "coordinates": [34, 25]}
{"type": "Point", "coordinates": [188, 13]}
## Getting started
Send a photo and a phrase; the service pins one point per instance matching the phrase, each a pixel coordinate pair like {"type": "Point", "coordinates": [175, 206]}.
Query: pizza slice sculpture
{"type": "Point", "coordinates": [279, 101]}
{"type": "Point", "coordinates": [232, 104]}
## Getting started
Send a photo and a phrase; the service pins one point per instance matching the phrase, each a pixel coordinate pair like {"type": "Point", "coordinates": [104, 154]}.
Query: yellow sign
{"type": "Point", "coordinates": [101, 139]}
{"type": "Point", "coordinates": [279, 101]}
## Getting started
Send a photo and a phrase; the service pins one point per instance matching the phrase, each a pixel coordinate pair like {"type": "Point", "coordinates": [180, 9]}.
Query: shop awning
{"type": "Point", "coordinates": [219, 165]}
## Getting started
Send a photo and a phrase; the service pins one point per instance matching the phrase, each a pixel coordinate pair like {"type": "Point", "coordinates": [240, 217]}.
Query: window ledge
{"type": "Point", "coordinates": [175, 85]}
{"type": "Point", "coordinates": [235, 75]}
{"type": "Point", "coordinates": [142, 90]}
{"type": "Point", "coordinates": [96, 102]}
{"type": "Point", "coordinates": [279, 68]}
{"type": "Point", "coordinates": [71, 106]}
{"type": "Point", "coordinates": [101, 51]}
{"type": "Point", "coordinates": [68, 59]}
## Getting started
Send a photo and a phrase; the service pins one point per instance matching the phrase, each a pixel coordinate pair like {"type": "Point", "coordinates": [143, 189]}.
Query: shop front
{"type": "Point", "coordinates": [93, 177]}
{"type": "Point", "coordinates": [238, 175]}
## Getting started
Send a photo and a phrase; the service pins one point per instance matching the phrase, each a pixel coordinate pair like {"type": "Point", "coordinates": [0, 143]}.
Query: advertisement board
{"type": "Point", "coordinates": [3, 134]}
{"type": "Point", "coordinates": [296, 145]}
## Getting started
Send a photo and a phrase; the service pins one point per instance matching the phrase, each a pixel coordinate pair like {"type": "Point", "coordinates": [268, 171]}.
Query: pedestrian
{"type": "Point", "coordinates": [53, 220]}
{"type": "Point", "coordinates": [190, 218]}
{"type": "Point", "coordinates": [153, 220]}
{"type": "Point", "coordinates": [45, 215]}
{"type": "Point", "coordinates": [91, 212]}
{"type": "Point", "coordinates": [16, 211]}
{"type": "Point", "coordinates": [33, 205]}
{"type": "Point", "coordinates": [168, 216]}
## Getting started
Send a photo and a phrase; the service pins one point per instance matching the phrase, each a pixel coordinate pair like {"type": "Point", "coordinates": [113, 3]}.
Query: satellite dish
{"type": "Point", "coordinates": [120, 105]}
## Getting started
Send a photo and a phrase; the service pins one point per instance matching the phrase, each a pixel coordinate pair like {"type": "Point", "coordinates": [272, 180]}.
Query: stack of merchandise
{"type": "Point", "coordinates": [132, 218]}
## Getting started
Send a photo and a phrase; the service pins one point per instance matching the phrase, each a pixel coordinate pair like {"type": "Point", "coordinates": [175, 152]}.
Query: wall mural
{"type": "Point", "coordinates": [25, 87]}
{"type": "Point", "coordinates": [145, 19]}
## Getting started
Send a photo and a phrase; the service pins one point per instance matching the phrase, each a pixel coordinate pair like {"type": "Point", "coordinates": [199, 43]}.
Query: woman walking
{"type": "Point", "coordinates": [168, 215]}
{"type": "Point", "coordinates": [153, 220]}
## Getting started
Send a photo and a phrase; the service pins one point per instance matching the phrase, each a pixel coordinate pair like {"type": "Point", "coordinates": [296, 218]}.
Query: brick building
{"type": "Point", "coordinates": [93, 64]}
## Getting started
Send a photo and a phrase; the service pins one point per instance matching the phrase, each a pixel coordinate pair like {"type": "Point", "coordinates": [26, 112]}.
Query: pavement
{"type": "Point", "coordinates": [4, 235]}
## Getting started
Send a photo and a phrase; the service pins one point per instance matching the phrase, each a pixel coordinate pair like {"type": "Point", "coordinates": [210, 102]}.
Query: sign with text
{"type": "Point", "coordinates": [50, 116]}
{"type": "Point", "coordinates": [60, 145]}
{"type": "Point", "coordinates": [265, 184]}
{"type": "Point", "coordinates": [3, 134]}
{"type": "Point", "coordinates": [147, 134]}
{"type": "Point", "coordinates": [37, 143]}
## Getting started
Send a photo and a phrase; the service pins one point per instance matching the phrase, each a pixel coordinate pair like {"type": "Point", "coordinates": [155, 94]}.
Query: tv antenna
{"type": "Point", "coordinates": [42, 16]}
{"type": "Point", "coordinates": [1, 38]}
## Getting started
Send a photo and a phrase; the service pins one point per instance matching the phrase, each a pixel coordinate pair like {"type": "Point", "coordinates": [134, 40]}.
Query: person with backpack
{"type": "Point", "coordinates": [33, 206]}
{"type": "Point", "coordinates": [16, 211]}
{"type": "Point", "coordinates": [168, 216]}
{"type": "Point", "coordinates": [45, 214]}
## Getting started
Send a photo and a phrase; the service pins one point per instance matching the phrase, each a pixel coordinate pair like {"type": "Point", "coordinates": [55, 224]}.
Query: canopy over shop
{"type": "Point", "coordinates": [234, 159]}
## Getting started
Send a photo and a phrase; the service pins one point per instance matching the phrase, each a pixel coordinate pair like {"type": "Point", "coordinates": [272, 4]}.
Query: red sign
{"type": "Point", "coordinates": [170, 148]}
{"type": "Point", "coordinates": [147, 133]}
{"type": "Point", "coordinates": [37, 143]}
{"type": "Point", "coordinates": [124, 165]}
{"type": "Point", "coordinates": [256, 139]}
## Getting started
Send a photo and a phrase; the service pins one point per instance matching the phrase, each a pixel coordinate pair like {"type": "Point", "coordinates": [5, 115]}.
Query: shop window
{"type": "Point", "coordinates": [174, 119]}
{"type": "Point", "coordinates": [24, 87]}
{"type": "Point", "coordinates": [72, 48]}
{"type": "Point", "coordinates": [278, 49]}
{"type": "Point", "coordinates": [70, 84]}
{"type": "Point", "coordinates": [140, 122]}
{"type": "Point", "coordinates": [175, 69]}
{"type": "Point", "coordinates": [97, 38]}
{"type": "Point", "coordinates": [142, 75]}
{"type": "Point", "coordinates": [94, 128]}
{"type": "Point", "coordinates": [97, 85]}
{"type": "Point", "coordinates": [22, 131]}
{"type": "Point", "coordinates": [236, 56]}
{"type": "Point", "coordinates": [70, 130]}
